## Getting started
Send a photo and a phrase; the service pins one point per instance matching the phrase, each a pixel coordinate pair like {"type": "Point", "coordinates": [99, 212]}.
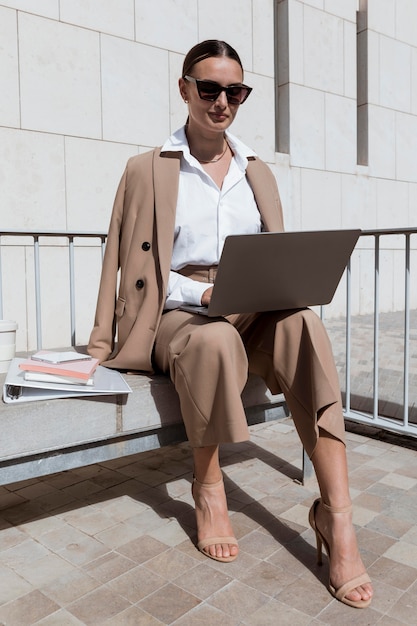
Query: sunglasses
{"type": "Point", "coordinates": [210, 90]}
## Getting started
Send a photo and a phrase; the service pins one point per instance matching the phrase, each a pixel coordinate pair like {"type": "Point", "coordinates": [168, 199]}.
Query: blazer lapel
{"type": "Point", "coordinates": [266, 195]}
{"type": "Point", "coordinates": [166, 180]}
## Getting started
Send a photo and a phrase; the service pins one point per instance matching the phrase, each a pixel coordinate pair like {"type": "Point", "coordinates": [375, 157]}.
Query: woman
{"type": "Point", "coordinates": [173, 209]}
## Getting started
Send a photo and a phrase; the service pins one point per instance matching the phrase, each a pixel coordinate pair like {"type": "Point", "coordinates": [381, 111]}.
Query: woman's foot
{"type": "Point", "coordinates": [214, 530]}
{"type": "Point", "coordinates": [348, 580]}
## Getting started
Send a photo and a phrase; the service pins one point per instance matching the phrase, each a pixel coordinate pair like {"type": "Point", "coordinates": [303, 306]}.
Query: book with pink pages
{"type": "Point", "coordinates": [82, 369]}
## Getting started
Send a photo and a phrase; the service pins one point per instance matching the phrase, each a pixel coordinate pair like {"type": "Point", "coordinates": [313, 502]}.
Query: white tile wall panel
{"type": "Point", "coordinates": [382, 142]}
{"type": "Point", "coordinates": [256, 117]}
{"type": "Point", "coordinates": [321, 199]}
{"type": "Point", "coordinates": [296, 41]}
{"type": "Point", "coordinates": [177, 109]}
{"type": "Point", "coordinates": [92, 173]}
{"type": "Point", "coordinates": [168, 24]}
{"type": "Point", "coordinates": [392, 203]}
{"type": "Point", "coordinates": [263, 37]}
{"type": "Point", "coordinates": [373, 64]}
{"type": "Point", "coordinates": [46, 8]}
{"type": "Point", "coordinates": [307, 127]}
{"type": "Point", "coordinates": [323, 51]}
{"type": "Point", "coordinates": [342, 8]}
{"type": "Point", "coordinates": [349, 60]}
{"type": "Point", "coordinates": [340, 131]}
{"type": "Point", "coordinates": [9, 76]}
{"type": "Point", "coordinates": [413, 78]}
{"type": "Point", "coordinates": [115, 17]}
{"type": "Point", "coordinates": [395, 73]}
{"type": "Point", "coordinates": [32, 189]}
{"type": "Point", "coordinates": [406, 148]}
{"type": "Point", "coordinates": [59, 77]}
{"type": "Point", "coordinates": [381, 16]}
{"type": "Point", "coordinates": [231, 21]}
{"type": "Point", "coordinates": [406, 21]}
{"type": "Point", "coordinates": [359, 202]}
{"type": "Point", "coordinates": [135, 88]}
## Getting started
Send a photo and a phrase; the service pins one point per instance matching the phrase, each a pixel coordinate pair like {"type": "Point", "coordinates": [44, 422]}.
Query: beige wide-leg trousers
{"type": "Point", "coordinates": [208, 360]}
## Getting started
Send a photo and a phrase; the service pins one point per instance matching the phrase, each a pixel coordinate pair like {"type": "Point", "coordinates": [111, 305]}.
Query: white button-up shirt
{"type": "Point", "coordinates": [206, 215]}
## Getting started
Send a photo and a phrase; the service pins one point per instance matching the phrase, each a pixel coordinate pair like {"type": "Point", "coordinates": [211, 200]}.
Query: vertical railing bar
{"type": "Point", "coordinates": [1, 286]}
{"type": "Point", "coordinates": [72, 287]}
{"type": "Point", "coordinates": [348, 335]}
{"type": "Point", "coordinates": [406, 327]}
{"type": "Point", "coordinates": [37, 292]}
{"type": "Point", "coordinates": [376, 328]}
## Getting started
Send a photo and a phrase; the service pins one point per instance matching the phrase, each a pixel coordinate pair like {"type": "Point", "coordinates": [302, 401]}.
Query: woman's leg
{"type": "Point", "coordinates": [330, 464]}
{"type": "Point", "coordinates": [292, 352]}
{"type": "Point", "coordinates": [210, 502]}
{"type": "Point", "coordinates": [207, 363]}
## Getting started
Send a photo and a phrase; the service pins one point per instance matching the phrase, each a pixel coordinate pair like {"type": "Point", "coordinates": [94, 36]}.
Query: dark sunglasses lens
{"type": "Point", "coordinates": [236, 95]}
{"type": "Point", "coordinates": [208, 91]}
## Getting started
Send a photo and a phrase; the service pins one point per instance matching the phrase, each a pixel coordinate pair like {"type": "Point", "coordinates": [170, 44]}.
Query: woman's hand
{"type": "Point", "coordinates": [206, 297]}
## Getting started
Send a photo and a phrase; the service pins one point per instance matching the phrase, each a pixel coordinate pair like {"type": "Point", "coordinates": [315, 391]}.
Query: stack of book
{"type": "Point", "coordinates": [70, 368]}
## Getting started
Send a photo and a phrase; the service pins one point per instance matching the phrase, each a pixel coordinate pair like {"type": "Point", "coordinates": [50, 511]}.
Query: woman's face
{"type": "Point", "coordinates": [205, 116]}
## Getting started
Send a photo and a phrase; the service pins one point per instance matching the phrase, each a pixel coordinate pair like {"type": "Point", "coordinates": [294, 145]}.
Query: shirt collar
{"type": "Point", "coordinates": [177, 142]}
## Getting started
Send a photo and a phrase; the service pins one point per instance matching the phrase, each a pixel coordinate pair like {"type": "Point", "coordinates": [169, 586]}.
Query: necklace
{"type": "Point", "coordinates": [214, 160]}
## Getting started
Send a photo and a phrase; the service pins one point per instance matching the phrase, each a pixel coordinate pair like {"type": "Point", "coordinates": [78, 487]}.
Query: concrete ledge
{"type": "Point", "coordinates": [44, 437]}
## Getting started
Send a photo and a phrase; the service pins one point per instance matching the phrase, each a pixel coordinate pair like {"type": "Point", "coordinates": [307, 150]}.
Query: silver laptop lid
{"type": "Point", "coordinates": [276, 271]}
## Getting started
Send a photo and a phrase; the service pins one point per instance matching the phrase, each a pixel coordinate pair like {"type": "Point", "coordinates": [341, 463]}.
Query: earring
{"type": "Point", "coordinates": [186, 101]}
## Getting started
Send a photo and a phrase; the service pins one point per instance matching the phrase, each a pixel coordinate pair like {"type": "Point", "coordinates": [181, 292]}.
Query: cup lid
{"type": "Point", "coordinates": [7, 326]}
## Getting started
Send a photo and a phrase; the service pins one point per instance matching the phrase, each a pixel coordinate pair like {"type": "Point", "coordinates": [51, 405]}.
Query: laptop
{"type": "Point", "coordinates": [277, 271]}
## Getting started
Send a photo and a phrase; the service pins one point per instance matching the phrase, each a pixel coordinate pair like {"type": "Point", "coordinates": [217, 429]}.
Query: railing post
{"type": "Point", "coordinates": [37, 292]}
{"type": "Point", "coordinates": [1, 286]}
{"type": "Point", "coordinates": [406, 327]}
{"type": "Point", "coordinates": [72, 287]}
{"type": "Point", "coordinates": [348, 335]}
{"type": "Point", "coordinates": [376, 329]}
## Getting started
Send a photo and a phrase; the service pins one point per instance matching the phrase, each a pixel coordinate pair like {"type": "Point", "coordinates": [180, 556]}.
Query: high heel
{"type": "Point", "coordinates": [350, 585]}
{"type": "Point", "coordinates": [210, 541]}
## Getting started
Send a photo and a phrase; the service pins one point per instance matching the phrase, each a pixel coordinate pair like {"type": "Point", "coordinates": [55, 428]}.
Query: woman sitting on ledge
{"type": "Point", "coordinates": [173, 209]}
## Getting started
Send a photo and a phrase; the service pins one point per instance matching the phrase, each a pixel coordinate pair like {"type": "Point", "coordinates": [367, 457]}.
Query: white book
{"type": "Point", "coordinates": [42, 377]}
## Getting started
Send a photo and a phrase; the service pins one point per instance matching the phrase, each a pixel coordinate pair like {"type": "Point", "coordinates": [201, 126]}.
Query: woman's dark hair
{"type": "Point", "coordinates": [207, 49]}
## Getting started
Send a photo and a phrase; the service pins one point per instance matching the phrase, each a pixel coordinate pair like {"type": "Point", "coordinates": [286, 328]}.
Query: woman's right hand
{"type": "Point", "coordinates": [206, 297]}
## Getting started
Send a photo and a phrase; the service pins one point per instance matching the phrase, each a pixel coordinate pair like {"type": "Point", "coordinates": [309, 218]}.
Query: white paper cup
{"type": "Point", "coordinates": [7, 343]}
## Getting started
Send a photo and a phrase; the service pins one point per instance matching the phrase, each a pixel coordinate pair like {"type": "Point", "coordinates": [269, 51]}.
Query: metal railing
{"type": "Point", "coordinates": [372, 417]}
{"type": "Point", "coordinates": [35, 236]}
{"type": "Point", "coordinates": [375, 418]}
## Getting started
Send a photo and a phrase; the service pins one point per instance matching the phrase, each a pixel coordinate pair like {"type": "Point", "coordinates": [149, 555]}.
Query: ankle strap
{"type": "Point", "coordinates": [337, 509]}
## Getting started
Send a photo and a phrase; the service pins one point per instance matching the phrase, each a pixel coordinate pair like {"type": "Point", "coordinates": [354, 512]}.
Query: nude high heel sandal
{"type": "Point", "coordinates": [210, 541]}
{"type": "Point", "coordinates": [350, 585]}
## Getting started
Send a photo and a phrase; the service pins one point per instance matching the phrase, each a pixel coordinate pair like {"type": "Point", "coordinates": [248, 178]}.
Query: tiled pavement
{"type": "Point", "coordinates": [114, 543]}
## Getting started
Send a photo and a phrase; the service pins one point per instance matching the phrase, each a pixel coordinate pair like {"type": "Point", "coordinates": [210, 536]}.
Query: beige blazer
{"type": "Point", "coordinates": [139, 243]}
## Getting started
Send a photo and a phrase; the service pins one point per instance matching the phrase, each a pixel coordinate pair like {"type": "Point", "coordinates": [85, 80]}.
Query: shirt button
{"type": "Point", "coordinates": [146, 246]}
{"type": "Point", "coordinates": [140, 284]}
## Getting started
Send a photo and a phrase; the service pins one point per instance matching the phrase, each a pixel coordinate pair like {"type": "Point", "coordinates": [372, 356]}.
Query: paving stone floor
{"type": "Point", "coordinates": [115, 543]}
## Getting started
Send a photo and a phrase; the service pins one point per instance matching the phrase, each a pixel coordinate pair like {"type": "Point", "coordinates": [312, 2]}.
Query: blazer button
{"type": "Point", "coordinates": [146, 246]}
{"type": "Point", "coordinates": [140, 284]}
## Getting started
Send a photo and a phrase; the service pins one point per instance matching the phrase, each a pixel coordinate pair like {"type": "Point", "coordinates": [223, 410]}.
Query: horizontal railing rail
{"type": "Point", "coordinates": [9, 237]}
